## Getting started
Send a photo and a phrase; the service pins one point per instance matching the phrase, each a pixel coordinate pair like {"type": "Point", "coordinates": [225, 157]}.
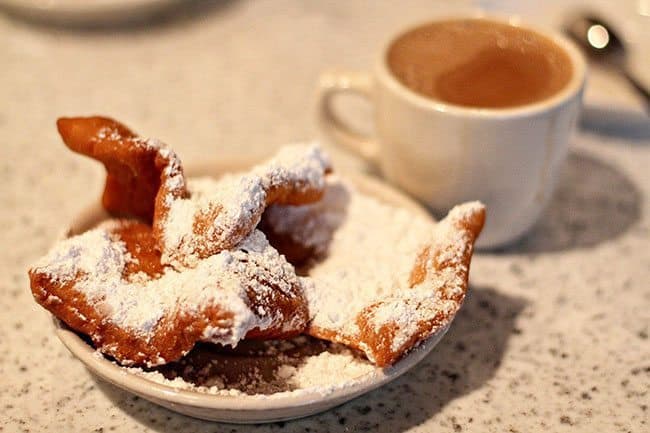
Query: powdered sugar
{"type": "Point", "coordinates": [440, 292]}
{"type": "Point", "coordinates": [368, 252]}
{"type": "Point", "coordinates": [294, 374]}
{"type": "Point", "coordinates": [113, 133]}
{"type": "Point", "coordinates": [240, 200]}
{"type": "Point", "coordinates": [370, 249]}
{"type": "Point", "coordinates": [301, 165]}
{"type": "Point", "coordinates": [233, 205]}
{"type": "Point", "coordinates": [321, 371]}
{"type": "Point", "coordinates": [96, 261]}
{"type": "Point", "coordinates": [93, 253]}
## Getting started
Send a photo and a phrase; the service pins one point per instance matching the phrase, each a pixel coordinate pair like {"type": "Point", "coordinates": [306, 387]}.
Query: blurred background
{"type": "Point", "coordinates": [223, 78]}
{"type": "Point", "coordinates": [211, 76]}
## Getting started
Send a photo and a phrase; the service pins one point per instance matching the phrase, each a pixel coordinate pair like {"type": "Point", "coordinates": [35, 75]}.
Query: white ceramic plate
{"type": "Point", "coordinates": [241, 408]}
{"type": "Point", "coordinates": [86, 12]}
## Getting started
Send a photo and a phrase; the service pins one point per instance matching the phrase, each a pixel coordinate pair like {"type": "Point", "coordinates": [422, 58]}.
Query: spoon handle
{"type": "Point", "coordinates": [638, 86]}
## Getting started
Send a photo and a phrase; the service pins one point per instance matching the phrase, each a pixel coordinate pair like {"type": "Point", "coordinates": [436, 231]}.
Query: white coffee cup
{"type": "Point", "coordinates": [445, 154]}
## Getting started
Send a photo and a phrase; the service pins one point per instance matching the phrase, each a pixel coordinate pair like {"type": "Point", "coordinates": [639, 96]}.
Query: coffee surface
{"type": "Point", "coordinates": [479, 63]}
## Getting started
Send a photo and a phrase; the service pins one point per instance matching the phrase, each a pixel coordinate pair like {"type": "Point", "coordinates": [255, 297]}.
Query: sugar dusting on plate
{"type": "Point", "coordinates": [265, 369]}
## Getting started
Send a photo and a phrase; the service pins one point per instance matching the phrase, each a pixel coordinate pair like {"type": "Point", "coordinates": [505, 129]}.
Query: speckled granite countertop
{"type": "Point", "coordinates": [554, 336]}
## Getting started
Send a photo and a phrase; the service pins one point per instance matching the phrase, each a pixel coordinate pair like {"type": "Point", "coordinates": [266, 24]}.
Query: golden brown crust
{"type": "Point", "coordinates": [175, 333]}
{"type": "Point", "coordinates": [144, 179]}
{"type": "Point", "coordinates": [437, 259]}
{"type": "Point", "coordinates": [142, 247]}
{"type": "Point", "coordinates": [447, 262]}
{"type": "Point", "coordinates": [175, 336]}
{"type": "Point", "coordinates": [133, 168]}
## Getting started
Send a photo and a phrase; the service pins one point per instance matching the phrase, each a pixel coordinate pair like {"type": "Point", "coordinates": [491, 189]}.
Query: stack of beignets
{"type": "Point", "coordinates": [188, 260]}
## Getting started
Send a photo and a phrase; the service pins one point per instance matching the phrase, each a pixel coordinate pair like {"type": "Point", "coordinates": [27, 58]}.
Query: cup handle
{"type": "Point", "coordinates": [332, 84]}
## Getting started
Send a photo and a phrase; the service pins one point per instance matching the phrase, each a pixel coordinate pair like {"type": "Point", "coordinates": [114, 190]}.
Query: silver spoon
{"type": "Point", "coordinates": [602, 44]}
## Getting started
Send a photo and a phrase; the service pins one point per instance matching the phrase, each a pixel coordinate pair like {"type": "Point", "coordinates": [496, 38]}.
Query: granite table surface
{"type": "Point", "coordinates": [553, 337]}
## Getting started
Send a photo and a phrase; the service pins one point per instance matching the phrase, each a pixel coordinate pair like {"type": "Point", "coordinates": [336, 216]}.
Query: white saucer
{"type": "Point", "coordinates": [85, 12]}
{"type": "Point", "coordinates": [242, 408]}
